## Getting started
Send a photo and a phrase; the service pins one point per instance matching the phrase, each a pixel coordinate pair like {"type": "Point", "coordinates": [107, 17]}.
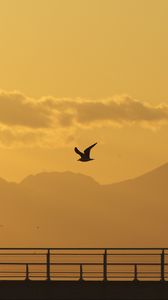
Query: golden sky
{"type": "Point", "coordinates": [73, 72]}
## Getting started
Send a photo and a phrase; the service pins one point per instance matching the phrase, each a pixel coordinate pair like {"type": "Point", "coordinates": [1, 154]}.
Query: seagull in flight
{"type": "Point", "coordinates": [85, 156]}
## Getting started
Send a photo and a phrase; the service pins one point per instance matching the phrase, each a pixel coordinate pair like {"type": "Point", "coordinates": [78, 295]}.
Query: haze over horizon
{"type": "Point", "coordinates": [50, 210]}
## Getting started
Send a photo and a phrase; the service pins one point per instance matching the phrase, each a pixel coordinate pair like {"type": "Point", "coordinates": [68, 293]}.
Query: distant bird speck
{"type": "Point", "coordinates": [85, 156]}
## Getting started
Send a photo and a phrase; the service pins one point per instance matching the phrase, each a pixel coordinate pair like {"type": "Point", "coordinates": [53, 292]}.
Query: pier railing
{"type": "Point", "coordinates": [94, 264]}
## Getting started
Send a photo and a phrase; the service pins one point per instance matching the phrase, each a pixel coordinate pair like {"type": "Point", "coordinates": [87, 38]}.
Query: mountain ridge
{"type": "Point", "coordinates": [158, 170]}
{"type": "Point", "coordinates": [69, 209]}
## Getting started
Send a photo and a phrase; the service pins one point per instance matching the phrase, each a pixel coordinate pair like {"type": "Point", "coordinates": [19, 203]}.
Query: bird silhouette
{"type": "Point", "coordinates": [85, 155]}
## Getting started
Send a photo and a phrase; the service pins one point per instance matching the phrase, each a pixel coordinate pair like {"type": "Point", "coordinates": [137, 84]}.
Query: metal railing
{"type": "Point", "coordinates": [103, 264]}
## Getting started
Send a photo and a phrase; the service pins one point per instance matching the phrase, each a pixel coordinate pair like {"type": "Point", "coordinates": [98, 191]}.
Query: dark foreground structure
{"type": "Point", "coordinates": [83, 273]}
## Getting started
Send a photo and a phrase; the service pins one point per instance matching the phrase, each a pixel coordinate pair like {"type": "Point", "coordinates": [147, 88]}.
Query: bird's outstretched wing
{"type": "Point", "coordinates": [77, 151]}
{"type": "Point", "coordinates": [87, 150]}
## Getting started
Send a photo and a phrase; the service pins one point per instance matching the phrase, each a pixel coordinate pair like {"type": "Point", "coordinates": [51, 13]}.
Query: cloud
{"type": "Point", "coordinates": [118, 110]}
{"type": "Point", "coordinates": [50, 121]}
{"type": "Point", "coordinates": [19, 110]}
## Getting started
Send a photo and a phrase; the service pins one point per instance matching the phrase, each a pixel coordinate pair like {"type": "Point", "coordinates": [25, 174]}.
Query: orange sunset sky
{"type": "Point", "coordinates": [75, 72]}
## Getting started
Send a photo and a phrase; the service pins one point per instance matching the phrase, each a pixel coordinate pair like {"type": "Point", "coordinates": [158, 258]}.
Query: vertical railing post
{"type": "Point", "coordinates": [81, 272]}
{"type": "Point", "coordinates": [105, 265]}
{"type": "Point", "coordinates": [27, 272]}
{"type": "Point", "coordinates": [135, 273]}
{"type": "Point", "coordinates": [162, 263]}
{"type": "Point", "coordinates": [48, 264]}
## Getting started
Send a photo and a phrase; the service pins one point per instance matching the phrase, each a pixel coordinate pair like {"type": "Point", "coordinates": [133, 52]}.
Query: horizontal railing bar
{"type": "Point", "coordinates": [58, 272]}
{"type": "Point", "coordinates": [75, 272]}
{"type": "Point", "coordinates": [82, 263]}
{"type": "Point", "coordinates": [94, 248]}
{"type": "Point", "coordinates": [23, 262]}
{"type": "Point", "coordinates": [133, 277]}
{"type": "Point", "coordinates": [51, 264]}
{"type": "Point", "coordinates": [136, 263]}
{"type": "Point", "coordinates": [108, 254]}
{"type": "Point", "coordinates": [114, 272]}
{"type": "Point", "coordinates": [77, 254]}
{"type": "Point", "coordinates": [13, 272]}
{"type": "Point", "coordinates": [81, 254]}
{"type": "Point", "coordinates": [131, 272]}
{"type": "Point", "coordinates": [77, 277]}
{"type": "Point", "coordinates": [85, 272]}
{"type": "Point", "coordinates": [22, 253]}
{"type": "Point", "coordinates": [21, 276]}
{"type": "Point", "coordinates": [133, 254]}
{"type": "Point", "coordinates": [85, 277]}
{"type": "Point", "coordinates": [108, 264]}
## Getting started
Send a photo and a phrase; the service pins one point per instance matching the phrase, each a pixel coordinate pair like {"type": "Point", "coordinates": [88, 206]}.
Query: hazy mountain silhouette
{"type": "Point", "coordinates": [74, 210]}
